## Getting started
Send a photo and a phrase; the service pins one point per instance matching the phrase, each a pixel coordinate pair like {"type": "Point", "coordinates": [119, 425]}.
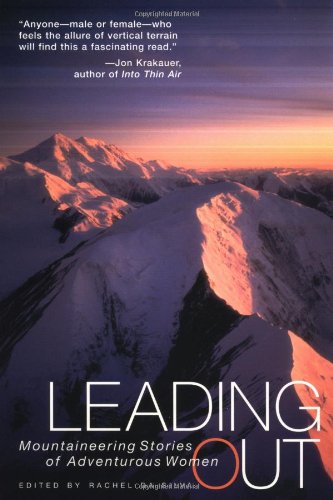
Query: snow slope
{"type": "Point", "coordinates": [44, 215]}
{"type": "Point", "coordinates": [271, 257]}
{"type": "Point", "coordinates": [311, 188]}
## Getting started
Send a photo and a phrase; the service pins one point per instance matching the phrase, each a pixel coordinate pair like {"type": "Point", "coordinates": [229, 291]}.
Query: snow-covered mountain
{"type": "Point", "coordinates": [308, 187]}
{"type": "Point", "coordinates": [63, 191]}
{"type": "Point", "coordinates": [42, 217]}
{"type": "Point", "coordinates": [115, 172]}
{"type": "Point", "coordinates": [202, 285]}
{"type": "Point", "coordinates": [107, 167]}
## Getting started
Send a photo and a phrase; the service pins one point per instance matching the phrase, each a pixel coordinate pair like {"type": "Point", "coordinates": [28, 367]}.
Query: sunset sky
{"type": "Point", "coordinates": [257, 89]}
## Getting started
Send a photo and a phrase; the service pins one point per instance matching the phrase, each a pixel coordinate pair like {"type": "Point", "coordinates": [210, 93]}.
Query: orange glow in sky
{"type": "Point", "coordinates": [270, 144]}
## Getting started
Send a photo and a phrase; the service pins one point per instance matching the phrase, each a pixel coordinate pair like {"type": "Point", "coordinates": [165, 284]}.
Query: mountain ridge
{"type": "Point", "coordinates": [121, 307]}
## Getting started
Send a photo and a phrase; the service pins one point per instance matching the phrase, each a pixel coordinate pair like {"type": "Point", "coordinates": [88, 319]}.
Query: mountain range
{"type": "Point", "coordinates": [115, 268]}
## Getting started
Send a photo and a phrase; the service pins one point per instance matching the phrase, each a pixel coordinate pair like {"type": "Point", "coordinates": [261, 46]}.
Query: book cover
{"type": "Point", "coordinates": [166, 265]}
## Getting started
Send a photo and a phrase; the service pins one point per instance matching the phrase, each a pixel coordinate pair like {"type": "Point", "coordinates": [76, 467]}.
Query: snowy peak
{"type": "Point", "coordinates": [60, 148]}
{"type": "Point", "coordinates": [76, 159]}
{"type": "Point", "coordinates": [107, 167]}
{"type": "Point", "coordinates": [60, 155]}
